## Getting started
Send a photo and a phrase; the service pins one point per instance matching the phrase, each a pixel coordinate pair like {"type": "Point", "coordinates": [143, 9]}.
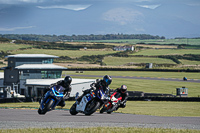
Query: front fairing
{"type": "Point", "coordinates": [55, 93]}
{"type": "Point", "coordinates": [84, 101]}
{"type": "Point", "coordinates": [100, 94]}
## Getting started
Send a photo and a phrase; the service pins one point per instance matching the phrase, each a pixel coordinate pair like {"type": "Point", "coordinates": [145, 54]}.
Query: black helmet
{"type": "Point", "coordinates": [107, 79]}
{"type": "Point", "coordinates": [67, 80]}
{"type": "Point", "coordinates": [123, 88]}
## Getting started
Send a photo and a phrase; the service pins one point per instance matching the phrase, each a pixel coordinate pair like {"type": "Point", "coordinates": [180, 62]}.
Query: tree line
{"type": "Point", "coordinates": [55, 38]}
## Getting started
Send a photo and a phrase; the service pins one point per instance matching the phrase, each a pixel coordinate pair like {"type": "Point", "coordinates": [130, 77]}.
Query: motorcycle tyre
{"type": "Point", "coordinates": [47, 107]}
{"type": "Point", "coordinates": [93, 109]}
{"type": "Point", "coordinates": [103, 109]}
{"type": "Point", "coordinates": [40, 112]}
{"type": "Point", "coordinates": [109, 112]}
{"type": "Point", "coordinates": [73, 109]}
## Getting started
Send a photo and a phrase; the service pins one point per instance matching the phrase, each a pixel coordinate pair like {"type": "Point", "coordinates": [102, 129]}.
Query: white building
{"type": "Point", "coordinates": [29, 74]}
{"type": "Point", "coordinates": [123, 48]}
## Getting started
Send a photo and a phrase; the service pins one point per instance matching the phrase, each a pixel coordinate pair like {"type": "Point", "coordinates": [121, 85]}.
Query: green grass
{"type": "Point", "coordinates": [99, 130]}
{"type": "Point", "coordinates": [148, 86]}
{"type": "Point", "coordinates": [179, 75]}
{"type": "Point", "coordinates": [11, 46]}
{"type": "Point", "coordinates": [117, 61]}
{"type": "Point", "coordinates": [154, 41]}
{"type": "Point", "coordinates": [70, 53]}
{"type": "Point", "coordinates": [188, 62]}
{"type": "Point", "coordinates": [154, 52]}
{"type": "Point", "coordinates": [162, 108]}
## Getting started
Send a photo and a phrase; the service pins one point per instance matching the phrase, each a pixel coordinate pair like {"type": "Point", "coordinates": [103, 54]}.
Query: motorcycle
{"type": "Point", "coordinates": [89, 103]}
{"type": "Point", "coordinates": [112, 104]}
{"type": "Point", "coordinates": [51, 99]}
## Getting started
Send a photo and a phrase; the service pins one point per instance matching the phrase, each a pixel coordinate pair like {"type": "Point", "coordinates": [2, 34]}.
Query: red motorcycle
{"type": "Point", "coordinates": [112, 104]}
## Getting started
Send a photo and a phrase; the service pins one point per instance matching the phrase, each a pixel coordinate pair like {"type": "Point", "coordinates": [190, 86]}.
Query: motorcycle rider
{"type": "Point", "coordinates": [66, 84]}
{"type": "Point", "coordinates": [124, 94]}
{"type": "Point", "coordinates": [100, 84]}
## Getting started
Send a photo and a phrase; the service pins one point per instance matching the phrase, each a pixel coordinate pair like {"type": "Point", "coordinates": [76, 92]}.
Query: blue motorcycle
{"type": "Point", "coordinates": [89, 103]}
{"type": "Point", "coordinates": [51, 99]}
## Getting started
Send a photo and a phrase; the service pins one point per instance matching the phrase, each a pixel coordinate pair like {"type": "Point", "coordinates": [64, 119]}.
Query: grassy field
{"type": "Point", "coordinates": [153, 52]}
{"type": "Point", "coordinates": [70, 53]}
{"type": "Point", "coordinates": [148, 86]}
{"type": "Point", "coordinates": [99, 130]}
{"type": "Point", "coordinates": [188, 62]}
{"type": "Point", "coordinates": [11, 46]}
{"type": "Point", "coordinates": [179, 75]}
{"type": "Point", "coordinates": [117, 61]}
{"type": "Point", "coordinates": [154, 41]}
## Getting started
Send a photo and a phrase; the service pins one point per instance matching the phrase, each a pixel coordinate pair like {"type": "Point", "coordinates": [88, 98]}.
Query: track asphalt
{"type": "Point", "coordinates": [27, 118]}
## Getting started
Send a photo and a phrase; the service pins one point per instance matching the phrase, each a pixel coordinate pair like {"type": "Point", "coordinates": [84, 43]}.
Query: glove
{"type": "Point", "coordinates": [92, 85]}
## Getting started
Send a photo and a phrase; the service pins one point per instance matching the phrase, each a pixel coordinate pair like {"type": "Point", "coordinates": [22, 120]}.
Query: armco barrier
{"type": "Point", "coordinates": [183, 99]}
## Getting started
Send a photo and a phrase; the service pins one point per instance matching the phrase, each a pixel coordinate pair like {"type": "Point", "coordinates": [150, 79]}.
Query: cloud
{"type": "Point", "coordinates": [20, 1]}
{"type": "Point", "coordinates": [16, 28]}
{"type": "Point", "coordinates": [123, 16]}
{"type": "Point", "coordinates": [69, 7]}
{"type": "Point", "coordinates": [150, 6]}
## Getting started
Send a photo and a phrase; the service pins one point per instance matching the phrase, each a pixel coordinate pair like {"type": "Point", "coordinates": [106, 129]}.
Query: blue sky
{"type": "Point", "coordinates": [169, 18]}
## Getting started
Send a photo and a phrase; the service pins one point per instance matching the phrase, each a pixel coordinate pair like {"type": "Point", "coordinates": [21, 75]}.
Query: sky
{"type": "Point", "coordinates": [169, 18]}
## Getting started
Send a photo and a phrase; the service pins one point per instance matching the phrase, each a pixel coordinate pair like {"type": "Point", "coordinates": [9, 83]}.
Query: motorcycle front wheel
{"type": "Point", "coordinates": [41, 112]}
{"type": "Point", "coordinates": [47, 107]}
{"type": "Point", "coordinates": [73, 109]}
{"type": "Point", "coordinates": [103, 109]}
{"type": "Point", "coordinates": [92, 106]}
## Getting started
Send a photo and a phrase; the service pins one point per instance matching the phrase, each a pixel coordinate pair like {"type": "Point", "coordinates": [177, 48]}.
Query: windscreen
{"type": "Point", "coordinates": [59, 89]}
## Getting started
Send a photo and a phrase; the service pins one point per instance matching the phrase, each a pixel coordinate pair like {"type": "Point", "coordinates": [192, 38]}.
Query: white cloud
{"type": "Point", "coordinates": [123, 16]}
{"type": "Point", "coordinates": [20, 1]}
{"type": "Point", "coordinates": [69, 7]}
{"type": "Point", "coordinates": [15, 28]}
{"type": "Point", "coordinates": [149, 6]}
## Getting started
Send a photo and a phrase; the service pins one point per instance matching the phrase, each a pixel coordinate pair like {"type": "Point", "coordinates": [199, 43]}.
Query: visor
{"type": "Point", "coordinates": [108, 82]}
{"type": "Point", "coordinates": [123, 90]}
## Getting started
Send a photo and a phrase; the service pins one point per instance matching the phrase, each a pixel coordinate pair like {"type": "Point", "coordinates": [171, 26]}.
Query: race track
{"type": "Point", "coordinates": [27, 118]}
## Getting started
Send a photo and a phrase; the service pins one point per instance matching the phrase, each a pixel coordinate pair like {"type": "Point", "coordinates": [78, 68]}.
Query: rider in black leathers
{"type": "Point", "coordinates": [123, 91]}
{"type": "Point", "coordinates": [100, 84]}
{"type": "Point", "coordinates": [66, 83]}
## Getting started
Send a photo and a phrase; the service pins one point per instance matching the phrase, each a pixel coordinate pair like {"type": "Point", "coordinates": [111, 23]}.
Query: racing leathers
{"type": "Point", "coordinates": [100, 84]}
{"type": "Point", "coordinates": [122, 103]}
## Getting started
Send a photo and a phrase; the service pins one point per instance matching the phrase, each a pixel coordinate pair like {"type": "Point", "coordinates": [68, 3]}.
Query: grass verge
{"type": "Point", "coordinates": [99, 130]}
{"type": "Point", "coordinates": [154, 108]}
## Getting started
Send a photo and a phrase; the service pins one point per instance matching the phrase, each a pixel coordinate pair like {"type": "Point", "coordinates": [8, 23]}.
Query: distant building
{"type": "Point", "coordinates": [29, 74]}
{"type": "Point", "coordinates": [123, 48]}
{"type": "Point", "coordinates": [28, 66]}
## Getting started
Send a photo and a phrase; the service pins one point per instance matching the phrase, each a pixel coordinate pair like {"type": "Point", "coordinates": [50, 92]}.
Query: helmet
{"type": "Point", "coordinates": [123, 88]}
{"type": "Point", "coordinates": [67, 80]}
{"type": "Point", "coordinates": [107, 80]}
